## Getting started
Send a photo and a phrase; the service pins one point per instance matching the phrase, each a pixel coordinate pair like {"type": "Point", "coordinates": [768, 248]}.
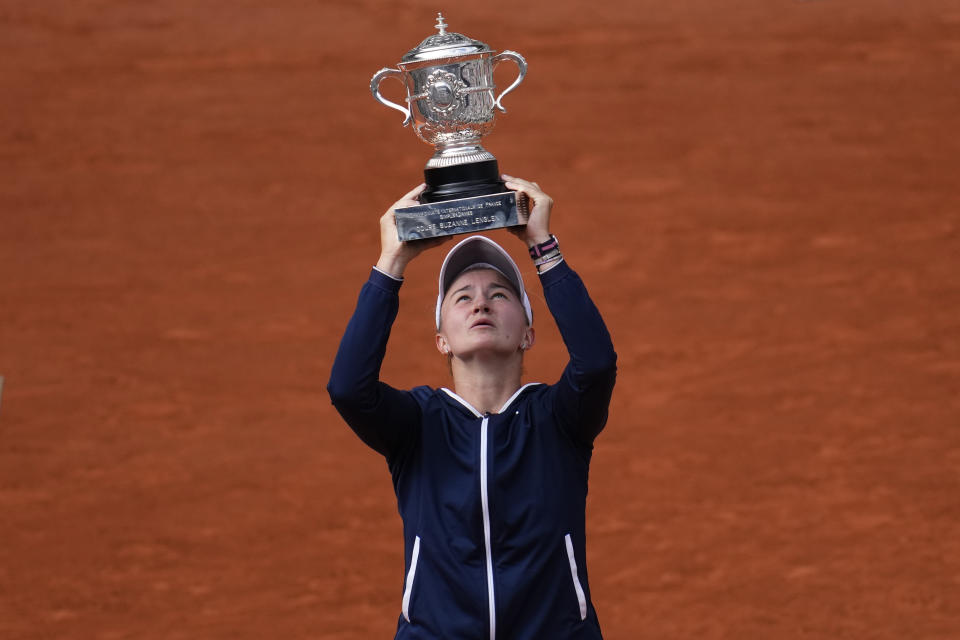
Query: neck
{"type": "Point", "coordinates": [487, 385]}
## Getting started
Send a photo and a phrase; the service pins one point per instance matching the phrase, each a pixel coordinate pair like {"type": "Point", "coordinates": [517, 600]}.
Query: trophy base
{"type": "Point", "coordinates": [463, 215]}
{"type": "Point", "coordinates": [462, 181]}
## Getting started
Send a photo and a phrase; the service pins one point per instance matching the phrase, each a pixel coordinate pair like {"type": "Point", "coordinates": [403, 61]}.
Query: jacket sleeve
{"type": "Point", "coordinates": [581, 398]}
{"type": "Point", "coordinates": [383, 417]}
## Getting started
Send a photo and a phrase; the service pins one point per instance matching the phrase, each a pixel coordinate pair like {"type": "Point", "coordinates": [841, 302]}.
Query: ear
{"type": "Point", "coordinates": [442, 345]}
{"type": "Point", "coordinates": [529, 337]}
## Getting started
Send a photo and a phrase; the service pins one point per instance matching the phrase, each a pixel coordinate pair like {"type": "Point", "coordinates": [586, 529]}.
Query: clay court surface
{"type": "Point", "coordinates": [762, 196]}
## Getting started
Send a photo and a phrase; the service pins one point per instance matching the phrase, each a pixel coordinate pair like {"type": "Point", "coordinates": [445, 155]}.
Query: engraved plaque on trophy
{"type": "Point", "coordinates": [450, 102]}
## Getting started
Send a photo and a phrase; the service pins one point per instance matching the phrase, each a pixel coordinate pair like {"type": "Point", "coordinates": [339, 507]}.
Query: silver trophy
{"type": "Point", "coordinates": [450, 101]}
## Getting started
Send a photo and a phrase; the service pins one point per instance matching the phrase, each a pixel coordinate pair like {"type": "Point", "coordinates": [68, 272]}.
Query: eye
{"type": "Point", "coordinates": [462, 298]}
{"type": "Point", "coordinates": [499, 295]}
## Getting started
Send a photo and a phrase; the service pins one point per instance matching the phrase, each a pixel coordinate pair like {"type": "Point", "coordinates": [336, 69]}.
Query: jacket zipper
{"type": "Point", "coordinates": [485, 501]}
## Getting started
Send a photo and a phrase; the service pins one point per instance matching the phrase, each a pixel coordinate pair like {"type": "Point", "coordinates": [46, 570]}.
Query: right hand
{"type": "Point", "coordinates": [537, 229]}
{"type": "Point", "coordinates": [394, 254]}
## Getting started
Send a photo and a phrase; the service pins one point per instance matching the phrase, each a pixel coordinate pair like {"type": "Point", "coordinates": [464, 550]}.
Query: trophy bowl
{"type": "Point", "coordinates": [450, 102]}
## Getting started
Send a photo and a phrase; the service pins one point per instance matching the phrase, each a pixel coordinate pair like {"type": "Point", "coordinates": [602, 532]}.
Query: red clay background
{"type": "Point", "coordinates": [762, 196]}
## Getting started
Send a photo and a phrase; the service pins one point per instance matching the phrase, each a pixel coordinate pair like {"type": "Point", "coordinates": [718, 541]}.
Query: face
{"type": "Point", "coordinates": [481, 314]}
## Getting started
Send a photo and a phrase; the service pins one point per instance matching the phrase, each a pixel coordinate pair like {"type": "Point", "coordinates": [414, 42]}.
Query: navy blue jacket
{"type": "Point", "coordinates": [493, 505]}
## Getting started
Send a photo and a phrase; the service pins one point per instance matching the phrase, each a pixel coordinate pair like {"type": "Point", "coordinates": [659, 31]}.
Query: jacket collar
{"type": "Point", "coordinates": [478, 414]}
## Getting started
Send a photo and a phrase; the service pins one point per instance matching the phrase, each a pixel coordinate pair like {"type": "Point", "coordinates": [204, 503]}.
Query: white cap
{"type": "Point", "coordinates": [481, 252]}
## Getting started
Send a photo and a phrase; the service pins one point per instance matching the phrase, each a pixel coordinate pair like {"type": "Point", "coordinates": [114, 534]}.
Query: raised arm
{"type": "Point", "coordinates": [582, 396]}
{"type": "Point", "coordinates": [383, 417]}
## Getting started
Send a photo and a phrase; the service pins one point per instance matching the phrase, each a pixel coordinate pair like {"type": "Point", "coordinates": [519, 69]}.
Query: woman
{"type": "Point", "coordinates": [491, 477]}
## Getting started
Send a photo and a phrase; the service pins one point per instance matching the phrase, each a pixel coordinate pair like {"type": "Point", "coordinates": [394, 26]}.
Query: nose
{"type": "Point", "coordinates": [480, 304]}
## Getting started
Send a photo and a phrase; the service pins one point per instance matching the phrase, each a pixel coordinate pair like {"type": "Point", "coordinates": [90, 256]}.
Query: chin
{"type": "Point", "coordinates": [490, 348]}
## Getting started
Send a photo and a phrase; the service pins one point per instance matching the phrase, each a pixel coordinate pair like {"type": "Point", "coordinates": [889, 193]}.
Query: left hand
{"type": "Point", "coordinates": [537, 229]}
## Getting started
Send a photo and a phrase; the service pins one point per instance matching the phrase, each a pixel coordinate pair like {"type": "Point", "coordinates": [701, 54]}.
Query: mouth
{"type": "Point", "coordinates": [481, 323]}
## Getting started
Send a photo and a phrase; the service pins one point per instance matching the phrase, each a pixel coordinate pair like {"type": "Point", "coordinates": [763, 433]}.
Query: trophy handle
{"type": "Point", "coordinates": [521, 63]}
{"type": "Point", "coordinates": [378, 77]}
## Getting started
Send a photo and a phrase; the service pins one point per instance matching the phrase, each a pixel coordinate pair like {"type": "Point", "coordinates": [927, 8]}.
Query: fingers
{"type": "Point", "coordinates": [519, 184]}
{"type": "Point", "coordinates": [414, 193]}
{"type": "Point", "coordinates": [409, 199]}
{"type": "Point", "coordinates": [537, 228]}
{"type": "Point", "coordinates": [532, 189]}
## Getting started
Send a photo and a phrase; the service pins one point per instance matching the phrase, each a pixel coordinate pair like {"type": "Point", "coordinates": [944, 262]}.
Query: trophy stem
{"type": "Point", "coordinates": [462, 181]}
